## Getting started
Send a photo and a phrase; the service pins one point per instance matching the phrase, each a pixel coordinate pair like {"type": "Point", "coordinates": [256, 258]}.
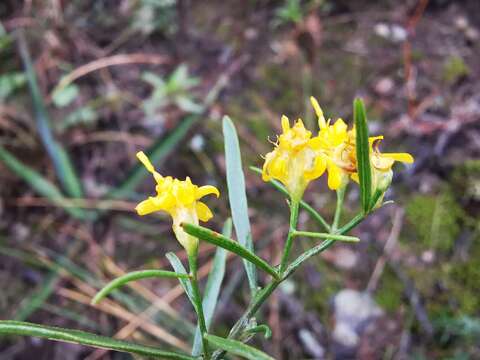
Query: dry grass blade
{"type": "Point", "coordinates": [114, 309]}
{"type": "Point", "coordinates": [114, 60]}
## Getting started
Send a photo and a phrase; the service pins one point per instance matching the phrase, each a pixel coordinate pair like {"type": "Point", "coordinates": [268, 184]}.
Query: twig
{"type": "Point", "coordinates": [98, 64]}
{"type": "Point", "coordinates": [387, 250]}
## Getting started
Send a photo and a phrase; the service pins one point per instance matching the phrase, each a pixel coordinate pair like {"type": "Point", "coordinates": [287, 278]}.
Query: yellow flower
{"type": "Point", "coordinates": [180, 200]}
{"type": "Point", "coordinates": [335, 147]}
{"type": "Point", "coordinates": [338, 147]}
{"type": "Point", "coordinates": [381, 165]}
{"type": "Point", "coordinates": [293, 162]}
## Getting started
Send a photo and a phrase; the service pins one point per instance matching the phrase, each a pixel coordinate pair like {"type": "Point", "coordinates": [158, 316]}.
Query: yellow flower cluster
{"type": "Point", "coordinates": [180, 200]}
{"type": "Point", "coordinates": [299, 158]}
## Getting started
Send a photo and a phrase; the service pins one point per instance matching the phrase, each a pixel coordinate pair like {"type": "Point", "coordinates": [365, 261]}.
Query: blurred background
{"type": "Point", "coordinates": [84, 85]}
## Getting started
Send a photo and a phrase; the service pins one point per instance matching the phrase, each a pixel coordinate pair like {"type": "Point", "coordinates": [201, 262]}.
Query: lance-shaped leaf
{"type": "Point", "coordinates": [180, 269]}
{"type": "Point", "coordinates": [237, 348]}
{"type": "Point", "coordinates": [132, 276]}
{"type": "Point", "coordinates": [39, 184]}
{"type": "Point", "coordinates": [237, 195]}
{"type": "Point", "coordinates": [262, 328]}
{"type": "Point", "coordinates": [212, 289]}
{"type": "Point", "coordinates": [85, 338]}
{"type": "Point", "coordinates": [217, 239]}
{"type": "Point", "coordinates": [363, 153]}
{"type": "Point", "coordinates": [63, 166]}
{"type": "Point", "coordinates": [157, 153]}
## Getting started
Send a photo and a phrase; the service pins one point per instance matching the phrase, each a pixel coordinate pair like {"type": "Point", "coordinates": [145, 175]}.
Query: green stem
{"type": "Point", "coordinates": [252, 309]}
{"type": "Point", "coordinates": [277, 185]}
{"type": "Point", "coordinates": [351, 224]}
{"type": "Point", "coordinates": [192, 262]}
{"type": "Point", "coordinates": [338, 209]}
{"type": "Point", "coordinates": [326, 236]}
{"type": "Point", "coordinates": [288, 244]}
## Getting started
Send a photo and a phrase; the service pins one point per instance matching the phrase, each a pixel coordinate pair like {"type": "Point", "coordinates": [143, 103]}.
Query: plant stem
{"type": "Point", "coordinates": [252, 309]}
{"type": "Point", "coordinates": [288, 244]}
{"type": "Point", "coordinates": [192, 262]}
{"type": "Point", "coordinates": [326, 236]}
{"type": "Point", "coordinates": [351, 224]}
{"type": "Point", "coordinates": [338, 209]}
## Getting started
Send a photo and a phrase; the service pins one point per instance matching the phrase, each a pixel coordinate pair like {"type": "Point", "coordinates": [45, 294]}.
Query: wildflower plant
{"type": "Point", "coordinates": [299, 156]}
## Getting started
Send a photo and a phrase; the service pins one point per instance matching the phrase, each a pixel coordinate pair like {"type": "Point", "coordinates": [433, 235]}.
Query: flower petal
{"type": "Point", "coordinates": [318, 110]}
{"type": "Point", "coordinates": [285, 124]}
{"type": "Point", "coordinates": [206, 190]}
{"type": "Point", "coordinates": [203, 212]}
{"type": "Point", "coordinates": [147, 207]}
{"type": "Point", "coordinates": [319, 167]}
{"type": "Point", "coordinates": [355, 178]}
{"type": "Point", "coordinates": [148, 165]}
{"type": "Point", "coordinates": [334, 176]}
{"type": "Point", "coordinates": [403, 157]}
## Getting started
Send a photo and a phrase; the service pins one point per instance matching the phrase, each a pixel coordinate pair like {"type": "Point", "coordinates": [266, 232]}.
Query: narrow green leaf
{"type": "Point", "coordinates": [363, 153]}
{"type": "Point", "coordinates": [336, 237]}
{"type": "Point", "coordinates": [85, 338]}
{"type": "Point", "coordinates": [38, 183]}
{"type": "Point", "coordinates": [133, 276]}
{"type": "Point", "coordinates": [277, 185]}
{"type": "Point", "coordinates": [61, 161]}
{"type": "Point", "coordinates": [237, 196]}
{"type": "Point", "coordinates": [237, 348]}
{"type": "Point", "coordinates": [157, 153]}
{"type": "Point", "coordinates": [267, 332]}
{"type": "Point", "coordinates": [180, 269]}
{"type": "Point", "coordinates": [212, 290]}
{"type": "Point", "coordinates": [217, 239]}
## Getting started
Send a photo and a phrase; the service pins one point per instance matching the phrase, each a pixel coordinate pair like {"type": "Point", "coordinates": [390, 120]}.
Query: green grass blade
{"type": "Point", "coordinates": [85, 338]}
{"type": "Point", "coordinates": [61, 162]}
{"type": "Point", "coordinates": [277, 185]}
{"type": "Point", "coordinates": [212, 290]}
{"type": "Point", "coordinates": [157, 153]}
{"type": "Point", "coordinates": [260, 329]}
{"type": "Point", "coordinates": [217, 239]}
{"type": "Point", "coordinates": [38, 183]}
{"type": "Point", "coordinates": [38, 298]}
{"type": "Point", "coordinates": [237, 348]}
{"type": "Point", "coordinates": [180, 269]}
{"type": "Point", "coordinates": [363, 153]}
{"type": "Point", "coordinates": [237, 196]}
{"type": "Point", "coordinates": [133, 276]}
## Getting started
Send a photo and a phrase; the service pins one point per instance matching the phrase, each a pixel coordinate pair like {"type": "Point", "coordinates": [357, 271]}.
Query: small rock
{"type": "Point", "coordinates": [395, 33]}
{"type": "Point", "coordinates": [472, 34]}
{"type": "Point", "coordinates": [353, 310]}
{"type": "Point", "coordinates": [345, 258]}
{"type": "Point", "coordinates": [197, 143]}
{"type": "Point", "coordinates": [384, 86]}
{"type": "Point", "coordinates": [399, 33]}
{"type": "Point", "coordinates": [382, 30]}
{"type": "Point", "coordinates": [311, 344]}
{"type": "Point", "coordinates": [461, 22]}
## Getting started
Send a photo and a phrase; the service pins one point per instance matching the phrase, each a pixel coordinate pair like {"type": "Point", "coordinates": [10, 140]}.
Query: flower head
{"type": "Point", "coordinates": [293, 161]}
{"type": "Point", "coordinates": [337, 145]}
{"type": "Point", "coordinates": [335, 148]}
{"type": "Point", "coordinates": [180, 200]}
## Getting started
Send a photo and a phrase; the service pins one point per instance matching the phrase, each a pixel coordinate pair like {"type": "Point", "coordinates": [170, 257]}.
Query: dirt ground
{"type": "Point", "coordinates": [116, 77]}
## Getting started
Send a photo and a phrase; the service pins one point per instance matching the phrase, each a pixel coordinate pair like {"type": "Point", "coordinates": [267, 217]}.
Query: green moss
{"type": "Point", "coordinates": [435, 220]}
{"type": "Point", "coordinates": [454, 69]}
{"type": "Point", "coordinates": [389, 293]}
{"type": "Point", "coordinates": [466, 179]}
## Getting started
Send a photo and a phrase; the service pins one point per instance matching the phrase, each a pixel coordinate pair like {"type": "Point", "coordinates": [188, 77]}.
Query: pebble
{"type": "Point", "coordinates": [353, 310]}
